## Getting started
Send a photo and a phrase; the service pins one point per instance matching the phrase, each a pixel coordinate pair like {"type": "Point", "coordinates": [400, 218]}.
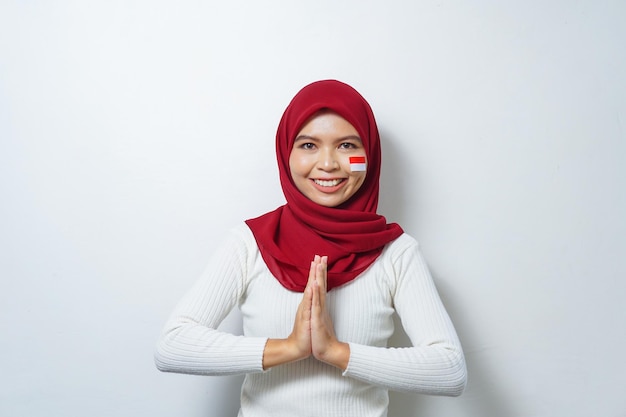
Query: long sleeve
{"type": "Point", "coordinates": [362, 313]}
{"type": "Point", "coordinates": [190, 342]}
{"type": "Point", "coordinates": [435, 363]}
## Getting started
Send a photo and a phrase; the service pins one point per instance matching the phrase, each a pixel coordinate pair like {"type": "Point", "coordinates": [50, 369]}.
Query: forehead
{"type": "Point", "coordinates": [327, 121]}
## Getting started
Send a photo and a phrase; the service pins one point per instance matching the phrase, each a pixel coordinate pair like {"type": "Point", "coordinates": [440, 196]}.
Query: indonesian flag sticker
{"type": "Point", "coordinates": [357, 163]}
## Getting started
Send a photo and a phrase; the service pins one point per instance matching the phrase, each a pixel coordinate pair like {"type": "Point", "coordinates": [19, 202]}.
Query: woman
{"type": "Point", "coordinates": [317, 282]}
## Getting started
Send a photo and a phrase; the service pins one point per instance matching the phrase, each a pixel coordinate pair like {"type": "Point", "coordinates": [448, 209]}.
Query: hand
{"type": "Point", "coordinates": [324, 344]}
{"type": "Point", "coordinates": [313, 331]}
{"type": "Point", "coordinates": [297, 345]}
{"type": "Point", "coordinates": [300, 337]}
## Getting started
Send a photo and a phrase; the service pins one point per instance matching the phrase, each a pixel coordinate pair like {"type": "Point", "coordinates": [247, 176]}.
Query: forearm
{"type": "Point", "coordinates": [187, 347]}
{"type": "Point", "coordinates": [281, 351]}
{"type": "Point", "coordinates": [435, 370]}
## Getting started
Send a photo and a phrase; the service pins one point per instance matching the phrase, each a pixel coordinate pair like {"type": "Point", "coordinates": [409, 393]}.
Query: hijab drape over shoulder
{"type": "Point", "coordinates": [352, 235]}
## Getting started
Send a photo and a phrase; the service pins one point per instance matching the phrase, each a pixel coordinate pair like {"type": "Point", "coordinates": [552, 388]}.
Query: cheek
{"type": "Point", "coordinates": [297, 164]}
{"type": "Point", "coordinates": [301, 161]}
{"type": "Point", "coordinates": [359, 169]}
{"type": "Point", "coordinates": [359, 179]}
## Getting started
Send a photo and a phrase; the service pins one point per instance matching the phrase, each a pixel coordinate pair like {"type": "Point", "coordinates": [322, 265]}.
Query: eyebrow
{"type": "Point", "coordinates": [341, 139]}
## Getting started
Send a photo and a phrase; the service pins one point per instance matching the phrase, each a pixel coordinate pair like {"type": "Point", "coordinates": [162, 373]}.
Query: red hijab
{"type": "Point", "coordinates": [352, 235]}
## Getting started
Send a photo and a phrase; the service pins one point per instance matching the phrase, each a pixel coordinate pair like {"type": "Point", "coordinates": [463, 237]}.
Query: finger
{"type": "Point", "coordinates": [320, 269]}
{"type": "Point", "coordinates": [324, 262]}
{"type": "Point", "coordinates": [320, 285]}
{"type": "Point", "coordinates": [315, 296]}
{"type": "Point", "coordinates": [315, 309]}
{"type": "Point", "coordinates": [305, 304]}
{"type": "Point", "coordinates": [312, 275]}
{"type": "Point", "coordinates": [322, 278]}
{"type": "Point", "coordinates": [312, 272]}
{"type": "Point", "coordinates": [307, 296]}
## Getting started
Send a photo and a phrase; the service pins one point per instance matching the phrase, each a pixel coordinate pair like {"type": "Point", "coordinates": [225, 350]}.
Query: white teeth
{"type": "Point", "coordinates": [329, 183]}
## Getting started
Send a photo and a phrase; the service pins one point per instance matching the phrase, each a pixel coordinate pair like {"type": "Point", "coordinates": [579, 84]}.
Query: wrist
{"type": "Point", "coordinates": [281, 351]}
{"type": "Point", "coordinates": [296, 349]}
{"type": "Point", "coordinates": [337, 354]}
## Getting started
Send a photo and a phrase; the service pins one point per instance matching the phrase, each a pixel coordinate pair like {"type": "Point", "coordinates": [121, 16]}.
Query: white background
{"type": "Point", "coordinates": [134, 134]}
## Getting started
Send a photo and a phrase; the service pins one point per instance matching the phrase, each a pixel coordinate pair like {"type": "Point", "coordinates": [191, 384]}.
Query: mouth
{"type": "Point", "coordinates": [328, 183]}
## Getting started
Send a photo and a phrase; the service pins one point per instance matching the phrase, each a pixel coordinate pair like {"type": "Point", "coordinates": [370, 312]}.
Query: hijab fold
{"type": "Point", "coordinates": [352, 235]}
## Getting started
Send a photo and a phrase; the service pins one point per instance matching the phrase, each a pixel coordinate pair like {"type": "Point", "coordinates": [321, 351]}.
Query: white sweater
{"type": "Point", "coordinates": [362, 312]}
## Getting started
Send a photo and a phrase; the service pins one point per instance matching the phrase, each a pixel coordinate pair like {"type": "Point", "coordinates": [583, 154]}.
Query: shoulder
{"type": "Point", "coordinates": [400, 246]}
{"type": "Point", "coordinates": [237, 242]}
{"type": "Point", "coordinates": [402, 257]}
{"type": "Point", "coordinates": [239, 234]}
{"type": "Point", "coordinates": [242, 232]}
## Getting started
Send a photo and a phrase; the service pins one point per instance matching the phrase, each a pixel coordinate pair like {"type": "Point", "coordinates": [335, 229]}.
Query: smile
{"type": "Point", "coordinates": [328, 183]}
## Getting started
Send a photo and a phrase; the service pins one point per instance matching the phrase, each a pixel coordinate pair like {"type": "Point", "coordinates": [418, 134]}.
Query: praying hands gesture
{"type": "Point", "coordinates": [313, 331]}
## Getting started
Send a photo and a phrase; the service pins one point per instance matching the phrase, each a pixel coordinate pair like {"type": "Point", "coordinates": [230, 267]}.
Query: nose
{"type": "Point", "coordinates": [328, 161]}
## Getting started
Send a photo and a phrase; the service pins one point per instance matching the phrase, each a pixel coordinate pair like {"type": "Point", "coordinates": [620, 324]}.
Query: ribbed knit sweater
{"type": "Point", "coordinates": [362, 312]}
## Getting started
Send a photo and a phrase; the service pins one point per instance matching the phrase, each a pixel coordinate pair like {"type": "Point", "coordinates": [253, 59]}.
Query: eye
{"type": "Point", "coordinates": [347, 145]}
{"type": "Point", "coordinates": [307, 146]}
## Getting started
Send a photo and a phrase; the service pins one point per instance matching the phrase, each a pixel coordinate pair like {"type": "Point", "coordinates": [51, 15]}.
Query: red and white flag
{"type": "Point", "coordinates": [357, 163]}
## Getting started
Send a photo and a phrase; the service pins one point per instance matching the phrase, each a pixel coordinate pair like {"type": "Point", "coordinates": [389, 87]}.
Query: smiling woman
{"type": "Point", "coordinates": [320, 159]}
{"type": "Point", "coordinates": [318, 281]}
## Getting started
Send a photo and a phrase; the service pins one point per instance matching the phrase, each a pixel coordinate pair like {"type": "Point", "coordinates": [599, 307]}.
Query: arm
{"type": "Point", "coordinates": [435, 364]}
{"type": "Point", "coordinates": [190, 341]}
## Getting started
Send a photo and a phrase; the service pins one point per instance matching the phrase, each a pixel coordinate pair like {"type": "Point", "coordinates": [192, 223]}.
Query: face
{"type": "Point", "coordinates": [319, 160]}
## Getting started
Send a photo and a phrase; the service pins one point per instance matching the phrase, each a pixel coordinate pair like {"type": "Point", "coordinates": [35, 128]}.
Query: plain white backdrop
{"type": "Point", "coordinates": [134, 134]}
